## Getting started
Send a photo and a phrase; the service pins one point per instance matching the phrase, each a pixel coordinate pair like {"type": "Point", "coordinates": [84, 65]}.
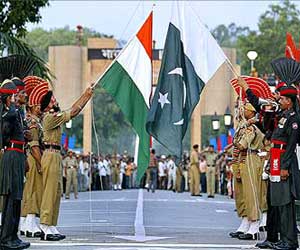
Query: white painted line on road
{"type": "Point", "coordinates": [94, 212]}
{"type": "Point", "coordinates": [221, 211]}
{"type": "Point", "coordinates": [139, 229]}
{"type": "Point", "coordinates": [143, 245]}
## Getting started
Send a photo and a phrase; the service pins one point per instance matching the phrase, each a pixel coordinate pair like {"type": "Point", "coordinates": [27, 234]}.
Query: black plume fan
{"type": "Point", "coordinates": [16, 66]}
{"type": "Point", "coordinates": [287, 69]}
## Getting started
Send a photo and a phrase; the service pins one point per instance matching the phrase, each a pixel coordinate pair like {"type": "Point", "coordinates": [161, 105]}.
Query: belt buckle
{"type": "Point", "coordinates": [281, 146]}
{"type": "Point", "coordinates": [12, 144]}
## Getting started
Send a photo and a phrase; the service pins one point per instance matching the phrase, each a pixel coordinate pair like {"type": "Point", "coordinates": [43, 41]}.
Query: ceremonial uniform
{"type": "Point", "coordinates": [115, 165]}
{"type": "Point", "coordinates": [51, 166]}
{"type": "Point", "coordinates": [12, 170]}
{"type": "Point", "coordinates": [194, 174]}
{"type": "Point", "coordinates": [71, 166]}
{"type": "Point", "coordinates": [284, 193]}
{"type": "Point", "coordinates": [33, 190]}
{"type": "Point", "coordinates": [211, 158]}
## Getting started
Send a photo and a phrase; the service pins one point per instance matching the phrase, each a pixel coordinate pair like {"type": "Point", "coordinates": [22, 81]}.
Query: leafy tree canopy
{"type": "Point", "coordinates": [16, 13]}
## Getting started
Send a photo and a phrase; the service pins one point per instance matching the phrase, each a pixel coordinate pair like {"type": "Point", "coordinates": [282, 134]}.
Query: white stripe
{"type": "Point", "coordinates": [199, 45]}
{"type": "Point", "coordinates": [139, 229]}
{"type": "Point", "coordinates": [135, 60]}
{"type": "Point", "coordinates": [176, 245]}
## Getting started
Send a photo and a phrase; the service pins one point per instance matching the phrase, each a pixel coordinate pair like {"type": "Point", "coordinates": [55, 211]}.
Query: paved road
{"type": "Point", "coordinates": [136, 219]}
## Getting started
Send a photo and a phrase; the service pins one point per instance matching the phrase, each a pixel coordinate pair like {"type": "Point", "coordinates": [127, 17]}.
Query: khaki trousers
{"type": "Point", "coordinates": [194, 180]}
{"type": "Point", "coordinates": [115, 176]}
{"type": "Point", "coordinates": [71, 180]}
{"type": "Point", "coordinates": [262, 190]}
{"type": "Point", "coordinates": [238, 192]}
{"type": "Point", "coordinates": [249, 175]}
{"type": "Point", "coordinates": [178, 179]}
{"type": "Point", "coordinates": [33, 189]}
{"type": "Point", "coordinates": [51, 167]}
{"type": "Point", "coordinates": [211, 179]}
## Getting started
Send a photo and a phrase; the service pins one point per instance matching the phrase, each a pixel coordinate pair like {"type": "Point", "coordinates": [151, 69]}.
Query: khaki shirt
{"type": "Point", "coordinates": [52, 123]}
{"type": "Point", "coordinates": [70, 162]}
{"type": "Point", "coordinates": [252, 138]}
{"type": "Point", "coordinates": [194, 159]}
{"type": "Point", "coordinates": [35, 127]}
{"type": "Point", "coordinates": [211, 158]}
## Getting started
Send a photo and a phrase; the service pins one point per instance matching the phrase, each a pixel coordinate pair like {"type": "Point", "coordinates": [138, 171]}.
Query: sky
{"type": "Point", "coordinates": [123, 18]}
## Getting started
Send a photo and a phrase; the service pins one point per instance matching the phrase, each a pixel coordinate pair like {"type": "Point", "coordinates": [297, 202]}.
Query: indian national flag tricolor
{"type": "Point", "coordinates": [129, 81]}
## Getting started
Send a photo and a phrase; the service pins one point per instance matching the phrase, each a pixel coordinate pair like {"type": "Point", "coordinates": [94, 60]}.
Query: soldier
{"type": "Point", "coordinates": [71, 170]}
{"type": "Point", "coordinates": [179, 175]}
{"type": "Point", "coordinates": [115, 165]}
{"type": "Point", "coordinates": [285, 179]}
{"type": "Point", "coordinates": [51, 160]}
{"type": "Point", "coordinates": [12, 165]}
{"type": "Point", "coordinates": [211, 157]}
{"type": "Point", "coordinates": [194, 172]}
{"type": "Point", "coordinates": [268, 124]}
{"type": "Point", "coordinates": [249, 143]}
{"type": "Point", "coordinates": [33, 189]}
{"type": "Point", "coordinates": [237, 164]}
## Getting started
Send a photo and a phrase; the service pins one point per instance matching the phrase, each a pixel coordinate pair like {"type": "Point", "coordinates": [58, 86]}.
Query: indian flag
{"type": "Point", "coordinates": [129, 81]}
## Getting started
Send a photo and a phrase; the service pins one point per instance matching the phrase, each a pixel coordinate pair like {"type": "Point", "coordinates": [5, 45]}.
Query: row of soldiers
{"type": "Point", "coordinates": [31, 123]}
{"type": "Point", "coordinates": [265, 167]}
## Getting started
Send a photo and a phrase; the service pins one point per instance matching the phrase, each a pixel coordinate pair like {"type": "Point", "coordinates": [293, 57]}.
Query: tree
{"type": "Point", "coordinates": [269, 40]}
{"type": "Point", "coordinates": [41, 39]}
{"type": "Point", "coordinates": [227, 36]}
{"type": "Point", "coordinates": [16, 13]}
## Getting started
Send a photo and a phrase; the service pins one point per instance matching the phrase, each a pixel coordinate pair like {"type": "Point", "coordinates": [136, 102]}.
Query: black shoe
{"type": "Point", "coordinates": [249, 236]}
{"type": "Point", "coordinates": [265, 245]}
{"type": "Point", "coordinates": [210, 196]}
{"type": "Point", "coordinates": [49, 237]}
{"type": "Point", "coordinates": [281, 245]}
{"type": "Point", "coordinates": [262, 229]}
{"type": "Point", "coordinates": [15, 244]}
{"type": "Point", "coordinates": [153, 191]}
{"type": "Point", "coordinates": [235, 234]}
{"type": "Point", "coordinates": [33, 235]}
{"type": "Point", "coordinates": [148, 189]}
{"type": "Point", "coordinates": [22, 233]}
{"type": "Point", "coordinates": [60, 236]}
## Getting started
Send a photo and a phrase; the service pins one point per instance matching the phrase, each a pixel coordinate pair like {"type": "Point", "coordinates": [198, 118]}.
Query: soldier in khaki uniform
{"type": "Point", "coordinates": [179, 175]}
{"type": "Point", "coordinates": [115, 166]}
{"type": "Point", "coordinates": [33, 190]}
{"type": "Point", "coordinates": [249, 143]}
{"type": "Point", "coordinates": [236, 165]}
{"type": "Point", "coordinates": [195, 172]}
{"type": "Point", "coordinates": [51, 160]}
{"type": "Point", "coordinates": [71, 170]}
{"type": "Point", "coordinates": [211, 157]}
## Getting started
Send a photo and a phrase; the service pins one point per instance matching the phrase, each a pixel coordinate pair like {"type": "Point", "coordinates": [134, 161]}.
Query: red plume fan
{"type": "Point", "coordinates": [287, 69]}
{"type": "Point", "coordinates": [291, 50]}
{"type": "Point", "coordinates": [258, 86]}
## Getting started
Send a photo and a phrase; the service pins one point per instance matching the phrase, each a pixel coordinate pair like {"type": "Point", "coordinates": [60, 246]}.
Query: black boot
{"type": "Point", "coordinates": [265, 245]}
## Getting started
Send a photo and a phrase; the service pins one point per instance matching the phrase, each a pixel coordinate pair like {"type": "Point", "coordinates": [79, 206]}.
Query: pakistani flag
{"type": "Point", "coordinates": [129, 81]}
{"type": "Point", "coordinates": [191, 57]}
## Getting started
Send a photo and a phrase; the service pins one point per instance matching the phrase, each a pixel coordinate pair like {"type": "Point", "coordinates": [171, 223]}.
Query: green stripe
{"type": "Point", "coordinates": [119, 84]}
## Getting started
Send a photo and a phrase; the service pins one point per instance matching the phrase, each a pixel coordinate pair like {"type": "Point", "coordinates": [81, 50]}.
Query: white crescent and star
{"type": "Point", "coordinates": [163, 99]}
{"type": "Point", "coordinates": [178, 71]}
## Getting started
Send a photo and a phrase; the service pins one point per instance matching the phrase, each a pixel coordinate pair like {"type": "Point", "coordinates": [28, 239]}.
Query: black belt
{"type": "Point", "coordinates": [15, 145]}
{"type": "Point", "coordinates": [56, 147]}
{"type": "Point", "coordinates": [211, 165]}
{"type": "Point", "coordinates": [281, 146]}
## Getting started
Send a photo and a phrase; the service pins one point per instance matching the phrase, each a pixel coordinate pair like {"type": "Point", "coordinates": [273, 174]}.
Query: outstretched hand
{"type": "Point", "coordinates": [242, 83]}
